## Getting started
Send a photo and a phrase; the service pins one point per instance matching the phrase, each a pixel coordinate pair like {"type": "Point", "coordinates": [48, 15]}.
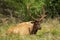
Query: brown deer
{"type": "Point", "coordinates": [36, 22]}
{"type": "Point", "coordinates": [26, 28]}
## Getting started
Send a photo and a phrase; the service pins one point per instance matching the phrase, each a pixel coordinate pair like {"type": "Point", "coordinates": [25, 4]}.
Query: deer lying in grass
{"type": "Point", "coordinates": [23, 28]}
{"type": "Point", "coordinates": [27, 28]}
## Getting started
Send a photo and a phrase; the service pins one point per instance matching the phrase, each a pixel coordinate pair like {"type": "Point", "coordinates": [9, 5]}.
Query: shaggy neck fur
{"type": "Point", "coordinates": [36, 27]}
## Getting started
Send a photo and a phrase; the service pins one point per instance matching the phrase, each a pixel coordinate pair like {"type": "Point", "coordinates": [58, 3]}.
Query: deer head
{"type": "Point", "coordinates": [37, 21]}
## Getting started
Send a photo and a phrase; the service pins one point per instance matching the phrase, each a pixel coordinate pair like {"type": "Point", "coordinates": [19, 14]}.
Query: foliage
{"type": "Point", "coordinates": [53, 7]}
{"type": "Point", "coordinates": [18, 8]}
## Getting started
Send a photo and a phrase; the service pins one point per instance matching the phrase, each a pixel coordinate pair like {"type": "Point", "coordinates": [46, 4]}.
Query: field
{"type": "Point", "coordinates": [50, 31]}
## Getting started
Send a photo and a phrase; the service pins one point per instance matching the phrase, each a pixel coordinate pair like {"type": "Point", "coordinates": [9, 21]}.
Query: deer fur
{"type": "Point", "coordinates": [24, 28]}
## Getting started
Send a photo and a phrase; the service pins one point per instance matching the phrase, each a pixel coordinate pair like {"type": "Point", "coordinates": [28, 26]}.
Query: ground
{"type": "Point", "coordinates": [50, 31]}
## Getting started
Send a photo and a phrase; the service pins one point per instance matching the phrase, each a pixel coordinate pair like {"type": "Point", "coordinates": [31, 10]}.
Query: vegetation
{"type": "Point", "coordinates": [16, 11]}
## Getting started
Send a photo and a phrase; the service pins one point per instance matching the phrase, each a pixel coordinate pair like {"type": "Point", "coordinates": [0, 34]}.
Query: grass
{"type": "Point", "coordinates": [50, 31]}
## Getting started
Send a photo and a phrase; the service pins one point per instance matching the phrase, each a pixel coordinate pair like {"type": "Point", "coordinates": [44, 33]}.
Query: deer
{"type": "Point", "coordinates": [27, 28]}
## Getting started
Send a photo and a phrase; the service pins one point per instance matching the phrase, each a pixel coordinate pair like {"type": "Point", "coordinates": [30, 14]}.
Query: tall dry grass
{"type": "Point", "coordinates": [50, 31]}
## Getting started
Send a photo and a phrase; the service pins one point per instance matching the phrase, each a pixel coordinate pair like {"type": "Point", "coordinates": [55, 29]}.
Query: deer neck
{"type": "Point", "coordinates": [35, 27]}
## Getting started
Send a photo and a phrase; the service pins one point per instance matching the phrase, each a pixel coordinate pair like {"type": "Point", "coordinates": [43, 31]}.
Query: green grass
{"type": "Point", "coordinates": [50, 31]}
